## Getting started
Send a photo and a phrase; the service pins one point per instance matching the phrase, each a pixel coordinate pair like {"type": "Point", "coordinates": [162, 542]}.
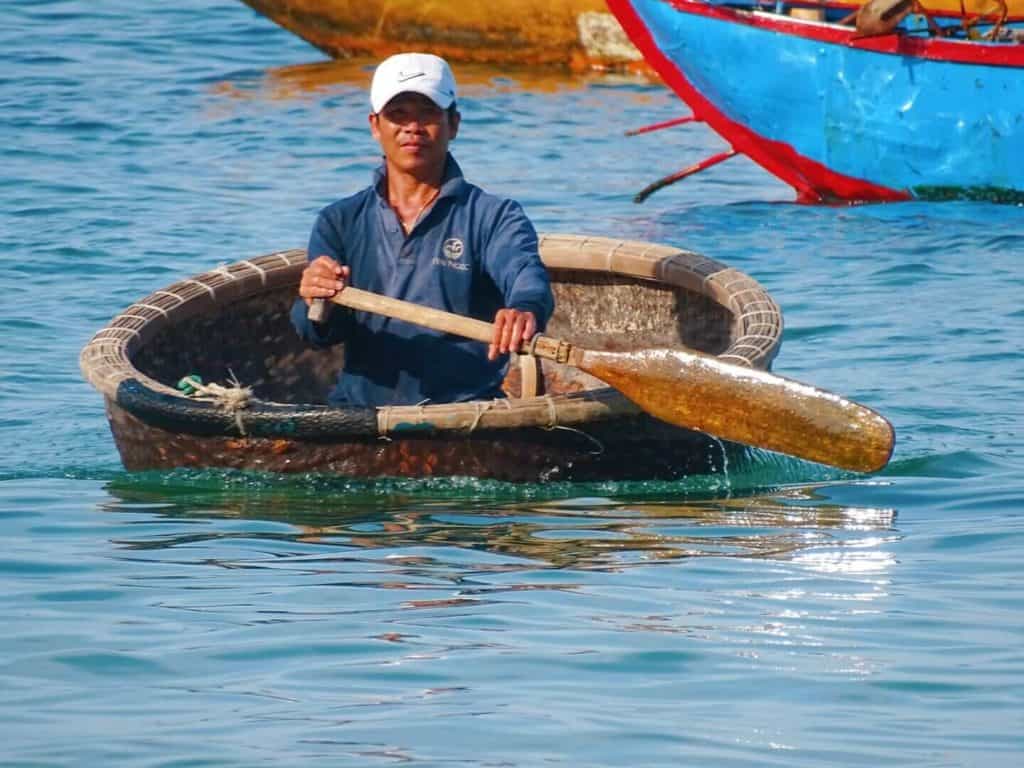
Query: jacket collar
{"type": "Point", "coordinates": [452, 181]}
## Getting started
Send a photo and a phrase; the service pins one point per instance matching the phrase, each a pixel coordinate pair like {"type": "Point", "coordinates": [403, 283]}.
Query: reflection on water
{"type": "Point", "coordinates": [797, 524]}
{"type": "Point", "coordinates": [474, 79]}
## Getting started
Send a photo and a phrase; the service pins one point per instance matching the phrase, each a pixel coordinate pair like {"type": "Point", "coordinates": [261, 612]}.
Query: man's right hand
{"type": "Point", "coordinates": [323, 278]}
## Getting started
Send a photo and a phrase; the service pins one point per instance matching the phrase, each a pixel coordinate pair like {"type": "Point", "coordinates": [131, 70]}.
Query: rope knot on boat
{"type": "Point", "coordinates": [558, 350]}
{"type": "Point", "coordinates": [233, 398]}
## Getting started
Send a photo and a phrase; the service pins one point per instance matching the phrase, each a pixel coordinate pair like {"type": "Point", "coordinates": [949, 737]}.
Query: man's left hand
{"type": "Point", "coordinates": [511, 328]}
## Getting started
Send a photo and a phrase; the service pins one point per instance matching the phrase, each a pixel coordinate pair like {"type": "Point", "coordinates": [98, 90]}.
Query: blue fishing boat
{"type": "Point", "coordinates": [843, 107]}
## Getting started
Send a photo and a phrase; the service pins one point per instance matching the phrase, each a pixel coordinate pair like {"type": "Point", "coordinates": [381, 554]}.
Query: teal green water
{"type": "Point", "coordinates": [781, 614]}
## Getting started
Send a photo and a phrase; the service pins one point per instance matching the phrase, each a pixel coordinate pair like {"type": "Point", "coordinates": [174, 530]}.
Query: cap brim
{"type": "Point", "coordinates": [443, 100]}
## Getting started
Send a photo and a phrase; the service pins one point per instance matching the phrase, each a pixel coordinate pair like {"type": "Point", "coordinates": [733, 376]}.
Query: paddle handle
{"type": "Point", "coordinates": [318, 311]}
{"type": "Point", "coordinates": [439, 320]}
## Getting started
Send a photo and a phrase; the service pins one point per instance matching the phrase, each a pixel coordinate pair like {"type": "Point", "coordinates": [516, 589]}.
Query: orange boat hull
{"type": "Point", "coordinates": [986, 8]}
{"type": "Point", "coordinates": [578, 34]}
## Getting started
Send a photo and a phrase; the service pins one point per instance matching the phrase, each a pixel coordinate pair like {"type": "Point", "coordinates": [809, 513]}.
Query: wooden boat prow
{"type": "Point", "coordinates": [573, 34]}
{"type": "Point", "coordinates": [557, 423]}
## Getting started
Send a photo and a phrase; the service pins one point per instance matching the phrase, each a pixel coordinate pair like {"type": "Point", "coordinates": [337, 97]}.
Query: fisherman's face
{"type": "Point", "coordinates": [414, 132]}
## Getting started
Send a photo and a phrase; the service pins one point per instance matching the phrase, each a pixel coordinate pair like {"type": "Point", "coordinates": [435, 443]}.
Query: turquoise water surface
{"type": "Point", "coordinates": [783, 614]}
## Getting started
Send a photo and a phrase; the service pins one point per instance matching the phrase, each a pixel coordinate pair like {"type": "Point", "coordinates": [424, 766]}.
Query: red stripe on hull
{"type": "Point", "coordinates": [931, 48]}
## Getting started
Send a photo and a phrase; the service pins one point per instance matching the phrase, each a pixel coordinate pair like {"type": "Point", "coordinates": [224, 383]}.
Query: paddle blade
{"type": "Point", "coordinates": [748, 406]}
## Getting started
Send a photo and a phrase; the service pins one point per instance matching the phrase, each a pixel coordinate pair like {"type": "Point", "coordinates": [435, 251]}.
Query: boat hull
{"type": "Point", "coordinates": [624, 448]}
{"type": "Point", "coordinates": [558, 423]}
{"type": "Point", "coordinates": [578, 34]}
{"type": "Point", "coordinates": [842, 119]}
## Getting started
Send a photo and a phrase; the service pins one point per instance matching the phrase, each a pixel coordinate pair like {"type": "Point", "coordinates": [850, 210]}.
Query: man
{"type": "Point", "coordinates": [424, 234]}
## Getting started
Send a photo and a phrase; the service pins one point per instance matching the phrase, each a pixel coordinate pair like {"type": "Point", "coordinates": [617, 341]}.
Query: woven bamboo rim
{"type": "Point", "coordinates": [757, 333]}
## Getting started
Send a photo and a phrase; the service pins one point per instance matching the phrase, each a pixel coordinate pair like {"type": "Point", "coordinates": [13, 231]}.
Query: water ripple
{"type": "Point", "coordinates": [781, 613]}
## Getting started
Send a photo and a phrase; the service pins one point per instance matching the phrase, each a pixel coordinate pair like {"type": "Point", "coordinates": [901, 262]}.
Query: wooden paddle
{"type": "Point", "coordinates": [694, 390]}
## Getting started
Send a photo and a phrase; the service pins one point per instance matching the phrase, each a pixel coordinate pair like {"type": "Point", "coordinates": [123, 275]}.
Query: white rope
{"type": "Point", "coordinates": [552, 412]}
{"type": "Point", "coordinates": [233, 398]}
{"type": "Point", "coordinates": [209, 289]}
{"type": "Point", "coordinates": [481, 408]}
{"type": "Point", "coordinates": [117, 331]}
{"type": "Point", "coordinates": [154, 308]}
{"type": "Point", "coordinates": [130, 316]}
{"type": "Point", "coordinates": [223, 271]}
{"type": "Point", "coordinates": [259, 270]}
{"type": "Point", "coordinates": [174, 296]}
{"type": "Point", "coordinates": [609, 257]}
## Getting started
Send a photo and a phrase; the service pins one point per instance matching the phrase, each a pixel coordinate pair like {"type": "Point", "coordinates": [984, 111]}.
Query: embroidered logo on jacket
{"type": "Point", "coordinates": [453, 250]}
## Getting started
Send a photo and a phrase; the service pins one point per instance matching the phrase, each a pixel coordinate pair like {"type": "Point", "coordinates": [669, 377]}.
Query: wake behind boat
{"type": "Point", "coordinates": [933, 109]}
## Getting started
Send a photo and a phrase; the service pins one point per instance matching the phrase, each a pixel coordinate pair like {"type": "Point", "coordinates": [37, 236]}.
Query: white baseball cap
{"type": "Point", "coordinates": [417, 72]}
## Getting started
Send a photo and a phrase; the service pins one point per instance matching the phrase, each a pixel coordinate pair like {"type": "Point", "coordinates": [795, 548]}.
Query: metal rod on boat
{"type": "Point", "coordinates": [704, 164]}
{"type": "Point", "coordinates": [665, 124]}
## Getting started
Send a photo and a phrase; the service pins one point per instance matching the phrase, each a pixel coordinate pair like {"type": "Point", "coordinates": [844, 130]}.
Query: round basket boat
{"type": "Point", "coordinates": [557, 423]}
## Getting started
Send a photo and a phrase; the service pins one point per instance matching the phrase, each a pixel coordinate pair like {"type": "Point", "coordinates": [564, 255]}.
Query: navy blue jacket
{"type": "Point", "coordinates": [472, 254]}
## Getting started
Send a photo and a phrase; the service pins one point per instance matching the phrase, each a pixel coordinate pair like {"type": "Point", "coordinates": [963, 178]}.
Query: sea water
{"type": "Point", "coordinates": [780, 614]}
